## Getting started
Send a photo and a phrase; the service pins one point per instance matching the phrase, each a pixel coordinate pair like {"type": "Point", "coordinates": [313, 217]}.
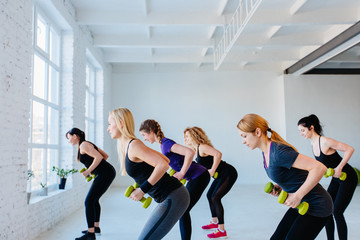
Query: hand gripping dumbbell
{"type": "Point", "coordinates": [330, 171]}
{"type": "Point", "coordinates": [146, 201]}
{"type": "Point", "coordinates": [89, 177]}
{"type": "Point", "coordinates": [303, 207]}
{"type": "Point", "coordinates": [172, 172]}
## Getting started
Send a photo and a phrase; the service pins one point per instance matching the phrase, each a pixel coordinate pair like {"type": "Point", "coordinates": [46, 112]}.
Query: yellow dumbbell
{"type": "Point", "coordinates": [146, 201]}
{"type": "Point", "coordinates": [172, 172]}
{"type": "Point", "coordinates": [330, 172]}
{"type": "Point", "coordinates": [303, 207]}
{"type": "Point", "coordinates": [88, 178]}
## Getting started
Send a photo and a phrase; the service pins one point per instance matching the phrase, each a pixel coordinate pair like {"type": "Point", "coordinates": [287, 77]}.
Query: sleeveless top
{"type": "Point", "coordinates": [333, 160]}
{"type": "Point", "coordinates": [141, 171]}
{"type": "Point", "coordinates": [208, 162]}
{"type": "Point", "coordinates": [88, 160]}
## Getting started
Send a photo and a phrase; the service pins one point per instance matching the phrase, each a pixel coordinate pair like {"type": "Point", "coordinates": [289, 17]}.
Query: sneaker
{"type": "Point", "coordinates": [218, 234]}
{"type": "Point", "coordinates": [210, 226]}
{"type": "Point", "coordinates": [87, 236]}
{"type": "Point", "coordinates": [97, 231]}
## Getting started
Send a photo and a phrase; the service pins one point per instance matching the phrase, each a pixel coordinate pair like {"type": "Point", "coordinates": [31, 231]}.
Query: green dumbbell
{"type": "Point", "coordinates": [172, 172]}
{"type": "Point", "coordinates": [330, 172]}
{"type": "Point", "coordinates": [216, 174]}
{"type": "Point", "coordinates": [146, 201]}
{"type": "Point", "coordinates": [303, 207]}
{"type": "Point", "coordinates": [358, 174]}
{"type": "Point", "coordinates": [88, 178]}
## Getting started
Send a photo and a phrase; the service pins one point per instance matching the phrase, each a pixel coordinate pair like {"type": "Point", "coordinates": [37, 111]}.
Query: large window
{"type": "Point", "coordinates": [44, 115]}
{"type": "Point", "coordinates": [90, 104]}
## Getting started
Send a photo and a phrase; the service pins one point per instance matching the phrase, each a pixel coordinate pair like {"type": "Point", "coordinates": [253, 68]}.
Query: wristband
{"type": "Point", "coordinates": [146, 186]}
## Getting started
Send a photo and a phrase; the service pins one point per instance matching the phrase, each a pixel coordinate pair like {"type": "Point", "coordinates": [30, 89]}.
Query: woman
{"type": "Point", "coordinates": [94, 160]}
{"type": "Point", "coordinates": [210, 157]}
{"type": "Point", "coordinates": [296, 174]}
{"type": "Point", "coordinates": [325, 150]}
{"type": "Point", "coordinates": [148, 168]}
{"type": "Point", "coordinates": [181, 161]}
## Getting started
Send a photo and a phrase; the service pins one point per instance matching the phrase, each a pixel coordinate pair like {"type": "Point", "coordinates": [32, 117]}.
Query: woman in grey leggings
{"type": "Point", "coordinates": [148, 168]}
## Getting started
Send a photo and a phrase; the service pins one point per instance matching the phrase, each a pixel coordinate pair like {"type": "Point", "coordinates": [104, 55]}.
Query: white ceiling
{"type": "Point", "coordinates": [164, 35]}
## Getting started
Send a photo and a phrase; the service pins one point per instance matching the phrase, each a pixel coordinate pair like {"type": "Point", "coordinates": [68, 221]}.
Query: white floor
{"type": "Point", "coordinates": [250, 214]}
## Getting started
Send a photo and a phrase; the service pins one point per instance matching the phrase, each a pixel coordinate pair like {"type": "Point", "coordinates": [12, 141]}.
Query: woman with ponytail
{"type": "Point", "coordinates": [181, 160]}
{"type": "Point", "coordinates": [210, 157]}
{"type": "Point", "coordinates": [148, 168]}
{"type": "Point", "coordinates": [325, 150]}
{"type": "Point", "coordinates": [293, 172]}
{"type": "Point", "coordinates": [94, 160]}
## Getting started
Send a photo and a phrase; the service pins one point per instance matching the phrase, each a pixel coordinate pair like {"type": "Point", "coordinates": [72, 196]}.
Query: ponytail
{"type": "Point", "coordinates": [151, 125]}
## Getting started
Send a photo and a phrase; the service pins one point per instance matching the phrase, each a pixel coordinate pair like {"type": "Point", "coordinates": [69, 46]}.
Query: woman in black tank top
{"type": "Point", "coordinates": [94, 160]}
{"type": "Point", "coordinates": [325, 150]}
{"type": "Point", "coordinates": [148, 168]}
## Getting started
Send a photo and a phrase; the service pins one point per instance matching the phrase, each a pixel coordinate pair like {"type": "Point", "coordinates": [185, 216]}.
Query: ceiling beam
{"type": "Point", "coordinates": [340, 43]}
{"type": "Point", "coordinates": [99, 18]}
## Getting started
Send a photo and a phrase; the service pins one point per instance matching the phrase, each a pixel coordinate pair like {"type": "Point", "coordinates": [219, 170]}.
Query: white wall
{"type": "Point", "coordinates": [214, 101]}
{"type": "Point", "coordinates": [334, 99]}
{"type": "Point", "coordinates": [20, 220]}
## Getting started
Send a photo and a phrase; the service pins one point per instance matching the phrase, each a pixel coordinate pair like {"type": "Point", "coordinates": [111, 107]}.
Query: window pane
{"type": "Point", "coordinates": [91, 106]}
{"type": "Point", "coordinates": [53, 86]}
{"type": "Point", "coordinates": [53, 126]}
{"type": "Point", "coordinates": [36, 166]}
{"type": "Point", "coordinates": [92, 81]}
{"type": "Point", "coordinates": [52, 160]}
{"type": "Point", "coordinates": [39, 77]}
{"type": "Point", "coordinates": [54, 47]}
{"type": "Point", "coordinates": [38, 123]}
{"type": "Point", "coordinates": [87, 101]}
{"type": "Point", "coordinates": [41, 33]}
{"type": "Point", "coordinates": [87, 75]}
{"type": "Point", "coordinates": [90, 131]}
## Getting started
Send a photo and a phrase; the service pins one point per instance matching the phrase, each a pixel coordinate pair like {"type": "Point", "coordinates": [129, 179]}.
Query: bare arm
{"type": "Point", "coordinates": [207, 150]}
{"type": "Point", "coordinates": [105, 156]}
{"type": "Point", "coordinates": [316, 171]}
{"type": "Point", "coordinates": [330, 143]}
{"type": "Point", "coordinates": [89, 149]}
{"type": "Point", "coordinates": [188, 157]}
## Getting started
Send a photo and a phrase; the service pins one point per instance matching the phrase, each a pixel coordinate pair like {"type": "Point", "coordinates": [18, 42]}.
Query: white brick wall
{"type": "Point", "coordinates": [18, 219]}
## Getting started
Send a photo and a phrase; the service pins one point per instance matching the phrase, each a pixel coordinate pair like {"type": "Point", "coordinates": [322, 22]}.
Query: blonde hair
{"type": "Point", "coordinates": [250, 122]}
{"type": "Point", "coordinates": [123, 116]}
{"type": "Point", "coordinates": [150, 125]}
{"type": "Point", "coordinates": [198, 135]}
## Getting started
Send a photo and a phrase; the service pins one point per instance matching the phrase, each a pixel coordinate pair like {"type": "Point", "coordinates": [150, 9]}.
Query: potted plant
{"type": "Point", "coordinates": [44, 190]}
{"type": "Point", "coordinates": [28, 191]}
{"type": "Point", "coordinates": [63, 173]}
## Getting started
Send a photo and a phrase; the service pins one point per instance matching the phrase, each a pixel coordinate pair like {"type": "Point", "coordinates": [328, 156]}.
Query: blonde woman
{"type": "Point", "coordinates": [181, 160]}
{"type": "Point", "coordinates": [296, 174]}
{"type": "Point", "coordinates": [148, 168]}
{"type": "Point", "coordinates": [210, 157]}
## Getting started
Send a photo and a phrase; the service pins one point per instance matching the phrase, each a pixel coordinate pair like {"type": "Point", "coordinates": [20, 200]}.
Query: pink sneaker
{"type": "Point", "coordinates": [218, 234]}
{"type": "Point", "coordinates": [210, 226]}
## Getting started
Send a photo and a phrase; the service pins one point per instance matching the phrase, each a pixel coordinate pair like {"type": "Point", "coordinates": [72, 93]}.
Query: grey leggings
{"type": "Point", "coordinates": [165, 215]}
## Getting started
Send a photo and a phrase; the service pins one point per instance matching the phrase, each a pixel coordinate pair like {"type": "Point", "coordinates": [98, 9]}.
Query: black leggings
{"type": "Point", "coordinates": [218, 189]}
{"type": "Point", "coordinates": [294, 226]}
{"type": "Point", "coordinates": [101, 183]}
{"type": "Point", "coordinates": [341, 193]}
{"type": "Point", "coordinates": [195, 188]}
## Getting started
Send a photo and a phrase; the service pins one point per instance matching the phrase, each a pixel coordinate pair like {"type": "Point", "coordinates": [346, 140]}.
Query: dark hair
{"type": "Point", "coordinates": [152, 125]}
{"type": "Point", "coordinates": [80, 134]}
{"type": "Point", "coordinates": [311, 120]}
